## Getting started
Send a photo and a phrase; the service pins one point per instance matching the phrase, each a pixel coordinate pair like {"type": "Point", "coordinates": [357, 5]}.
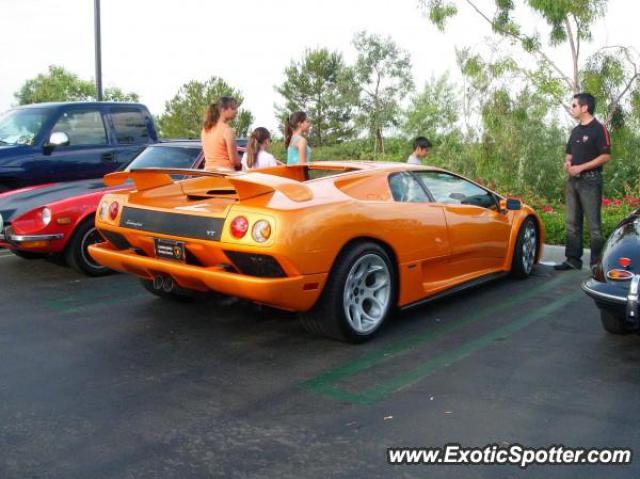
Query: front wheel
{"type": "Point", "coordinates": [358, 296]}
{"type": "Point", "coordinates": [77, 252]}
{"type": "Point", "coordinates": [612, 323]}
{"type": "Point", "coordinates": [524, 253]}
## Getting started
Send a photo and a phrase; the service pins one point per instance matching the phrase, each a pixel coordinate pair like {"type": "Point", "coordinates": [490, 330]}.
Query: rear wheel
{"type": "Point", "coordinates": [358, 296]}
{"type": "Point", "coordinates": [77, 253]}
{"type": "Point", "coordinates": [28, 254]}
{"type": "Point", "coordinates": [612, 323]}
{"type": "Point", "coordinates": [524, 253]}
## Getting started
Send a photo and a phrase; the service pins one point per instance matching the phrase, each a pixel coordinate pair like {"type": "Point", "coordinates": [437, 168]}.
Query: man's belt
{"type": "Point", "coordinates": [590, 174]}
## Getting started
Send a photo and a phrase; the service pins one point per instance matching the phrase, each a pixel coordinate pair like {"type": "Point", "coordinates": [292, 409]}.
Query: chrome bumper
{"type": "Point", "coordinates": [11, 238]}
{"type": "Point", "coordinates": [630, 300]}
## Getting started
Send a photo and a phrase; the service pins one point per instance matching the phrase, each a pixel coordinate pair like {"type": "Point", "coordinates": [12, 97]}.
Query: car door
{"type": "Point", "coordinates": [478, 231]}
{"type": "Point", "coordinates": [423, 245]}
{"type": "Point", "coordinates": [88, 153]}
{"type": "Point", "coordinates": [132, 132]}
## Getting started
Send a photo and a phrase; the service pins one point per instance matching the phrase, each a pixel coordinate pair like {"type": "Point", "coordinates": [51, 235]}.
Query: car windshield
{"type": "Point", "coordinates": [165, 157]}
{"type": "Point", "coordinates": [20, 127]}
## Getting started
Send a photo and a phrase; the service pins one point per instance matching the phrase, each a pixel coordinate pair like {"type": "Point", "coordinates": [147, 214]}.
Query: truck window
{"type": "Point", "coordinates": [20, 127]}
{"type": "Point", "coordinates": [130, 126]}
{"type": "Point", "coordinates": [82, 127]}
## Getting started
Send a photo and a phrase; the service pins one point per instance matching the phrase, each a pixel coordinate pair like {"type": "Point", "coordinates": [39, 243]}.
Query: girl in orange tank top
{"type": "Point", "coordinates": [218, 138]}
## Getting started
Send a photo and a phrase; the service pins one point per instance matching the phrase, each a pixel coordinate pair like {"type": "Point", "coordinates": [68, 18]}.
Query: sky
{"type": "Point", "coordinates": [152, 47]}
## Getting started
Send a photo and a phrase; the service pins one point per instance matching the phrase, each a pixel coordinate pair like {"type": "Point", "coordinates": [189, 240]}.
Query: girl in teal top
{"type": "Point", "coordinates": [298, 150]}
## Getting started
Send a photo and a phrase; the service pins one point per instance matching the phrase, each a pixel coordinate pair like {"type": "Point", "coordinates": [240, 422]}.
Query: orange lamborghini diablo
{"type": "Point", "coordinates": [341, 243]}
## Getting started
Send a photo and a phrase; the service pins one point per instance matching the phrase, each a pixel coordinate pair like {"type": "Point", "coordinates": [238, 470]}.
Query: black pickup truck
{"type": "Point", "coordinates": [53, 142]}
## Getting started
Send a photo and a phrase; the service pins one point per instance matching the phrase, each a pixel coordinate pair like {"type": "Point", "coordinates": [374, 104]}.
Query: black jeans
{"type": "Point", "coordinates": [584, 198]}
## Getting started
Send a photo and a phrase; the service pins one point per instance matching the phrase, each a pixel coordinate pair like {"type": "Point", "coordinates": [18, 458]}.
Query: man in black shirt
{"type": "Point", "coordinates": [588, 148]}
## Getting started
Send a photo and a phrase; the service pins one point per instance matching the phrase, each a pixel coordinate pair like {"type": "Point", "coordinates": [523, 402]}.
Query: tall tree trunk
{"type": "Point", "coordinates": [380, 139]}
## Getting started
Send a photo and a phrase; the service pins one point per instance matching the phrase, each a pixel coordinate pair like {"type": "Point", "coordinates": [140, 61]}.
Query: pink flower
{"type": "Point", "coordinates": [547, 209]}
{"type": "Point", "coordinates": [617, 202]}
{"type": "Point", "coordinates": [606, 202]}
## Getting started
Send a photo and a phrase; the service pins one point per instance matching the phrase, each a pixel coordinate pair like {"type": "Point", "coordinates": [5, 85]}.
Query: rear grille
{"type": "Point", "coordinates": [116, 239]}
{"type": "Point", "coordinates": [181, 225]}
{"type": "Point", "coordinates": [260, 265]}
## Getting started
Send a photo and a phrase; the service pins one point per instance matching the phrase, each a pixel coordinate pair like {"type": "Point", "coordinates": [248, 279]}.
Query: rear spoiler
{"type": "Point", "coordinates": [247, 185]}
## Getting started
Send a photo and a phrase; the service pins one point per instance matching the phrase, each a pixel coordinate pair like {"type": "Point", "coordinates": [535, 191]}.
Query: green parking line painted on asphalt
{"type": "Point", "coordinates": [377, 393]}
{"type": "Point", "coordinates": [66, 306]}
{"type": "Point", "coordinates": [324, 382]}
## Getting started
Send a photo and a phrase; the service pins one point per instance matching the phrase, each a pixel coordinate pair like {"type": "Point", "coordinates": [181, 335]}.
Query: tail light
{"type": "Point", "coordinates": [619, 274]}
{"type": "Point", "coordinates": [624, 262]}
{"type": "Point", "coordinates": [261, 231]}
{"type": "Point", "coordinates": [113, 210]}
{"type": "Point", "coordinates": [103, 211]}
{"type": "Point", "coordinates": [239, 227]}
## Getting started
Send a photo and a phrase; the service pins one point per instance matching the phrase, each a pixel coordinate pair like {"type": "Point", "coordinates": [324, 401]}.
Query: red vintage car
{"type": "Point", "coordinates": [58, 218]}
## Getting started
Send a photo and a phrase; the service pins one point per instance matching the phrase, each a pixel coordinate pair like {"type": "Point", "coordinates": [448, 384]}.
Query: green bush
{"type": "Point", "coordinates": [554, 222]}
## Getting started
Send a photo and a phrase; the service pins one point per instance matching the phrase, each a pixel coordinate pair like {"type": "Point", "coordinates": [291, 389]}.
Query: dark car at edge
{"type": "Point", "coordinates": [616, 278]}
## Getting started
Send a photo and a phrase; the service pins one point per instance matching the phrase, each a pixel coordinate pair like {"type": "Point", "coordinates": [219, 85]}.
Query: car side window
{"type": "Point", "coordinates": [450, 189]}
{"type": "Point", "coordinates": [405, 188]}
{"type": "Point", "coordinates": [84, 127]}
{"type": "Point", "coordinates": [130, 126]}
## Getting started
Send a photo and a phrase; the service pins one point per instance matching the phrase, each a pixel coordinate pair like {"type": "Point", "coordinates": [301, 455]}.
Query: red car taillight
{"type": "Point", "coordinates": [624, 262]}
{"type": "Point", "coordinates": [239, 227]}
{"type": "Point", "coordinates": [619, 274]}
{"type": "Point", "coordinates": [113, 210]}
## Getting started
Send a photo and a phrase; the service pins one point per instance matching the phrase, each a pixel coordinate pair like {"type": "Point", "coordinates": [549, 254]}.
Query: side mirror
{"type": "Point", "coordinates": [58, 138]}
{"type": "Point", "coordinates": [510, 204]}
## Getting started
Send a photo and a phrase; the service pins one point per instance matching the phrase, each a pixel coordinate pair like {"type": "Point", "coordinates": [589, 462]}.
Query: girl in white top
{"type": "Point", "coordinates": [257, 155]}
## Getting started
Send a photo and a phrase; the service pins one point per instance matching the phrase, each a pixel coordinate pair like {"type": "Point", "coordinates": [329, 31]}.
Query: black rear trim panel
{"type": "Point", "coordinates": [181, 225]}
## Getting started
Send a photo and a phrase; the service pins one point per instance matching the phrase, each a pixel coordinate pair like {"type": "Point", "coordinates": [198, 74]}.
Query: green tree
{"type": "Point", "coordinates": [435, 111]}
{"type": "Point", "coordinates": [323, 86]}
{"type": "Point", "coordinates": [569, 24]}
{"type": "Point", "coordinates": [184, 113]}
{"type": "Point", "coordinates": [383, 72]}
{"type": "Point", "coordinates": [116, 94]}
{"type": "Point", "coordinates": [59, 84]}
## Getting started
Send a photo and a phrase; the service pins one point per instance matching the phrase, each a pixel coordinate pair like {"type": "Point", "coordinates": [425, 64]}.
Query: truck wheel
{"type": "Point", "coordinates": [77, 253]}
{"type": "Point", "coordinates": [524, 253]}
{"type": "Point", "coordinates": [358, 296]}
{"type": "Point", "coordinates": [28, 254]}
{"type": "Point", "coordinates": [612, 323]}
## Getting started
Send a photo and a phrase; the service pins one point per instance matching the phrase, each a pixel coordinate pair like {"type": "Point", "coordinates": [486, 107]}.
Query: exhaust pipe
{"type": "Point", "coordinates": [168, 284]}
{"type": "Point", "coordinates": [157, 282]}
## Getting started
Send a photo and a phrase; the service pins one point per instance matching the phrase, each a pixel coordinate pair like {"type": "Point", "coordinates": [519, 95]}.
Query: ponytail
{"type": "Point", "coordinates": [292, 123]}
{"type": "Point", "coordinates": [288, 133]}
{"type": "Point", "coordinates": [212, 114]}
{"type": "Point", "coordinates": [256, 140]}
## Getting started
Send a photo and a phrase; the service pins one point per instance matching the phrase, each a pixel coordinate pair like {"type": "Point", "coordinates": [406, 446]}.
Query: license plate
{"type": "Point", "coordinates": [170, 249]}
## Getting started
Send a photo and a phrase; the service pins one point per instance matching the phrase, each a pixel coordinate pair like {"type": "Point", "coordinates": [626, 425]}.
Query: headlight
{"type": "Point", "coordinates": [1, 223]}
{"type": "Point", "coordinates": [45, 214]}
{"type": "Point", "coordinates": [104, 209]}
{"type": "Point", "coordinates": [261, 231]}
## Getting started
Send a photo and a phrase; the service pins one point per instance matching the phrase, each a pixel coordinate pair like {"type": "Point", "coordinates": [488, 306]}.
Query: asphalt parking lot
{"type": "Point", "coordinates": [99, 379]}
